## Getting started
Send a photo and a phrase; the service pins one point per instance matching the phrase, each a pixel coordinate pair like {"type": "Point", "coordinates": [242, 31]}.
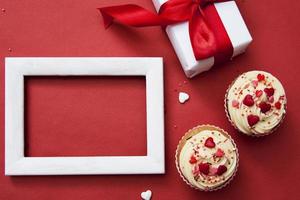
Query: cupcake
{"type": "Point", "coordinates": [207, 158]}
{"type": "Point", "coordinates": [255, 103]}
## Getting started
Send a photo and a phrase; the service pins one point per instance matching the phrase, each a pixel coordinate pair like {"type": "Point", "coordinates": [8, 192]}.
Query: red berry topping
{"type": "Point", "coordinates": [269, 91]}
{"type": "Point", "coordinates": [221, 170]}
{"type": "Point", "coordinates": [264, 107]}
{"type": "Point", "coordinates": [193, 160]}
{"type": "Point", "coordinates": [204, 168]}
{"type": "Point", "coordinates": [248, 100]}
{"type": "Point", "coordinates": [258, 93]}
{"type": "Point", "coordinates": [278, 105]}
{"type": "Point", "coordinates": [252, 120]}
{"type": "Point", "coordinates": [260, 77]}
{"type": "Point", "coordinates": [209, 142]}
{"type": "Point", "coordinates": [219, 153]}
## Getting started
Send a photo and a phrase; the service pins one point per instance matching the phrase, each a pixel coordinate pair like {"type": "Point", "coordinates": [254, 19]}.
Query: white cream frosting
{"type": "Point", "coordinates": [248, 83]}
{"type": "Point", "coordinates": [194, 146]}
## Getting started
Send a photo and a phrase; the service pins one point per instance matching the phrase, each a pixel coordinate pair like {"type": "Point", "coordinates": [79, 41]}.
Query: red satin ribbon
{"type": "Point", "coordinates": [207, 33]}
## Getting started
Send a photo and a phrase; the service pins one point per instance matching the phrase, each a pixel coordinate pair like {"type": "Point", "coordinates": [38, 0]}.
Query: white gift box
{"type": "Point", "coordinates": [179, 36]}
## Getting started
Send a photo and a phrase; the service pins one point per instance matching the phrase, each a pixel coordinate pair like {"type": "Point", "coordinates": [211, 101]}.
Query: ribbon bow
{"type": "Point", "coordinates": [202, 38]}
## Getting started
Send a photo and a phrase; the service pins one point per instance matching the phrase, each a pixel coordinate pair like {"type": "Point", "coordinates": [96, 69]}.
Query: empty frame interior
{"type": "Point", "coordinates": [85, 116]}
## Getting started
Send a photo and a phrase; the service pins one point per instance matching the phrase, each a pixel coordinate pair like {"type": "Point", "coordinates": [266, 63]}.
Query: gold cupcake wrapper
{"type": "Point", "coordinates": [193, 132]}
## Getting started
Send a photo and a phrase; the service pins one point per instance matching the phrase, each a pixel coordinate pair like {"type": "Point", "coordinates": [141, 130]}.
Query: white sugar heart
{"type": "Point", "coordinates": [146, 195]}
{"type": "Point", "coordinates": [183, 97]}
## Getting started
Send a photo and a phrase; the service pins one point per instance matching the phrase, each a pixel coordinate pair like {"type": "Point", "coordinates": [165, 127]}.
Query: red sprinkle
{"type": "Point", "coordinates": [195, 170]}
{"type": "Point", "coordinates": [264, 107]}
{"type": "Point", "coordinates": [219, 153]}
{"type": "Point", "coordinates": [269, 91]}
{"type": "Point", "coordinates": [260, 77]}
{"type": "Point", "coordinates": [209, 142]}
{"type": "Point", "coordinates": [278, 105]}
{"type": "Point", "coordinates": [255, 83]}
{"type": "Point", "coordinates": [271, 99]}
{"type": "Point", "coordinates": [204, 168]}
{"type": "Point", "coordinates": [281, 97]}
{"type": "Point", "coordinates": [235, 103]}
{"type": "Point", "coordinates": [252, 120]}
{"type": "Point", "coordinates": [248, 100]}
{"type": "Point", "coordinates": [213, 170]}
{"type": "Point", "coordinates": [221, 170]}
{"type": "Point", "coordinates": [193, 160]}
{"type": "Point", "coordinates": [258, 93]}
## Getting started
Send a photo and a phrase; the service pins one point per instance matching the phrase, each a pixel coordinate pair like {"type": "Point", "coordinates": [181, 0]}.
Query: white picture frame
{"type": "Point", "coordinates": [16, 68]}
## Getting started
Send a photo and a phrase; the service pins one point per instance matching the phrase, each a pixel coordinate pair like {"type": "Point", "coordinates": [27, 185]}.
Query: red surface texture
{"type": "Point", "coordinates": [85, 116]}
{"type": "Point", "coordinates": [269, 166]}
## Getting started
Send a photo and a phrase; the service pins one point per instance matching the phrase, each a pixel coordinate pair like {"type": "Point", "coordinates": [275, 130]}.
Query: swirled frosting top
{"type": "Point", "coordinates": [256, 102]}
{"type": "Point", "coordinates": [208, 159]}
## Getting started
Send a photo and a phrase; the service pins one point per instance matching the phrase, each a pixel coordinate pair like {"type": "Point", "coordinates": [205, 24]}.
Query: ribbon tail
{"type": "Point", "coordinates": [131, 15]}
{"type": "Point", "coordinates": [202, 37]}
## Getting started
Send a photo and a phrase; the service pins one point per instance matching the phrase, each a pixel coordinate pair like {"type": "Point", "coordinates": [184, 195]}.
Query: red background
{"type": "Point", "coordinates": [269, 167]}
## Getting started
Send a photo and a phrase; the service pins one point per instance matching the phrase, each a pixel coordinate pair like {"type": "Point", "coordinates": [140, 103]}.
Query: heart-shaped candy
{"type": "Point", "coordinates": [260, 77]}
{"type": "Point", "coordinates": [269, 91]}
{"type": "Point", "coordinates": [221, 170]}
{"type": "Point", "coordinates": [252, 120]}
{"type": "Point", "coordinates": [258, 93]}
{"type": "Point", "coordinates": [209, 142]}
{"type": "Point", "coordinates": [219, 153]}
{"type": "Point", "coordinates": [264, 107]}
{"type": "Point", "coordinates": [183, 97]}
{"type": "Point", "coordinates": [204, 168]}
{"type": "Point", "coordinates": [278, 105]}
{"type": "Point", "coordinates": [146, 195]}
{"type": "Point", "coordinates": [248, 100]}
